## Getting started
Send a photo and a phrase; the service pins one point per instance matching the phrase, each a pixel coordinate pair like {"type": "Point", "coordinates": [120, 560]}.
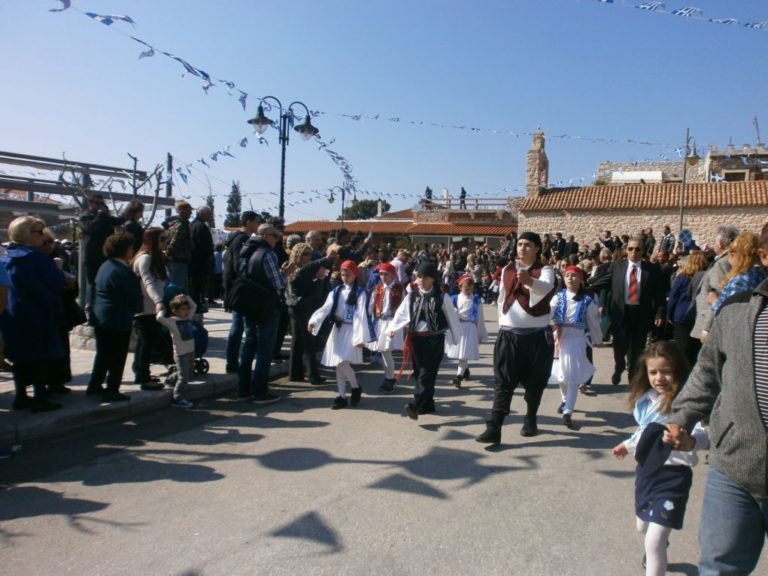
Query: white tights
{"type": "Point", "coordinates": [389, 364]}
{"type": "Point", "coordinates": [569, 393]}
{"type": "Point", "coordinates": [463, 365]}
{"type": "Point", "coordinates": [344, 374]}
{"type": "Point", "coordinates": [656, 538]}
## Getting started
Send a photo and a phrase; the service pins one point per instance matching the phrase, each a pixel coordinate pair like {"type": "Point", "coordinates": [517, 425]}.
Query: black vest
{"type": "Point", "coordinates": [428, 307]}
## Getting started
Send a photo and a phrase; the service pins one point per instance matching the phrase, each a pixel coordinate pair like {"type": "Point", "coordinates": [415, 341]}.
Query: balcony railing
{"type": "Point", "coordinates": [469, 204]}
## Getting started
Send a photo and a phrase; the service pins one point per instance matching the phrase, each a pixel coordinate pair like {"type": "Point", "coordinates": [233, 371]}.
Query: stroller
{"type": "Point", "coordinates": [199, 333]}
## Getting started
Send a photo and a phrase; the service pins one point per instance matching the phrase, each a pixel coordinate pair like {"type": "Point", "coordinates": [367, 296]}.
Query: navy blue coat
{"type": "Point", "coordinates": [679, 300]}
{"type": "Point", "coordinates": [32, 322]}
{"type": "Point", "coordinates": [118, 297]}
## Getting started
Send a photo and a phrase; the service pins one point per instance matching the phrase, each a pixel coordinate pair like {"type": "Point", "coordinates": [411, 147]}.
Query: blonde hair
{"type": "Point", "coordinates": [20, 229]}
{"type": "Point", "coordinates": [695, 262]}
{"type": "Point", "coordinates": [744, 252]}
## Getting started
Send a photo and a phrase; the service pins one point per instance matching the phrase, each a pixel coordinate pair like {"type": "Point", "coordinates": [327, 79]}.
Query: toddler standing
{"type": "Point", "coordinates": [182, 308]}
{"type": "Point", "coordinates": [469, 307]}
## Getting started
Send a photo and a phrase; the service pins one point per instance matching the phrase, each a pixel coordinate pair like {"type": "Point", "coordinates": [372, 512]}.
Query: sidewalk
{"type": "Point", "coordinates": [80, 410]}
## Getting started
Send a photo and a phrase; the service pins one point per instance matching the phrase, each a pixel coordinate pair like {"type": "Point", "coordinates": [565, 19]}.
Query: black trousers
{"type": "Point", "coordinates": [198, 286]}
{"type": "Point", "coordinates": [426, 357]}
{"type": "Point", "coordinates": [303, 357]}
{"type": "Point", "coordinates": [149, 338]}
{"type": "Point", "coordinates": [629, 336]}
{"type": "Point", "coordinates": [282, 327]}
{"type": "Point", "coordinates": [689, 346]}
{"type": "Point", "coordinates": [522, 359]}
{"type": "Point", "coordinates": [109, 363]}
{"type": "Point", "coordinates": [35, 374]}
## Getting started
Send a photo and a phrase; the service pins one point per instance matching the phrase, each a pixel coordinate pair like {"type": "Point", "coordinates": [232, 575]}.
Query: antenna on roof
{"type": "Point", "coordinates": [757, 128]}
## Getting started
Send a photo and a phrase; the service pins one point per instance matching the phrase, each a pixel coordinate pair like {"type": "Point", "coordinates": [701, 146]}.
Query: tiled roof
{"type": "Point", "coordinates": [446, 229]}
{"type": "Point", "coordinates": [649, 196]}
{"type": "Point", "coordinates": [401, 227]}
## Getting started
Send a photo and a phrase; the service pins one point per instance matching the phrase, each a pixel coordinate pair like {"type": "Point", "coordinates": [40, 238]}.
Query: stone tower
{"type": "Point", "coordinates": [537, 165]}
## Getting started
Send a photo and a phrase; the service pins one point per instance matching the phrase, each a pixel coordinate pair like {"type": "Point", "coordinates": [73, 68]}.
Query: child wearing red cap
{"type": "Point", "coordinates": [352, 330]}
{"type": "Point", "coordinates": [574, 314]}
{"type": "Point", "coordinates": [385, 299]}
{"type": "Point", "coordinates": [472, 321]}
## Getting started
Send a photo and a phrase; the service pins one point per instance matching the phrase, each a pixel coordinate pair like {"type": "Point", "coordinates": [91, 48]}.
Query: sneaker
{"type": "Point", "coordinates": [267, 398]}
{"type": "Point", "coordinates": [182, 403]}
{"type": "Point", "coordinates": [339, 403]}
{"type": "Point", "coordinates": [357, 393]}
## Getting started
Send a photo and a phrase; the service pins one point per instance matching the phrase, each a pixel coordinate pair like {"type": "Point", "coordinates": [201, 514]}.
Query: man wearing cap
{"type": "Point", "coordinates": [428, 314]}
{"type": "Point", "coordinates": [525, 348]}
{"type": "Point", "coordinates": [260, 264]}
{"type": "Point", "coordinates": [230, 271]}
{"type": "Point", "coordinates": [386, 297]}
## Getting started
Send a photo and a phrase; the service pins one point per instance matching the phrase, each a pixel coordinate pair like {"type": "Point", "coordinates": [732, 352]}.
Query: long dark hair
{"type": "Point", "coordinates": [672, 353]}
{"type": "Point", "coordinates": [151, 245]}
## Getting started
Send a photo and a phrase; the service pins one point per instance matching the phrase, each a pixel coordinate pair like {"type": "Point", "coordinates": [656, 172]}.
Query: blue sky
{"type": "Point", "coordinates": [579, 68]}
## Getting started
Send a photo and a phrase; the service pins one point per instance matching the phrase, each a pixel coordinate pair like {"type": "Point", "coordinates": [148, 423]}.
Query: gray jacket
{"type": "Point", "coordinates": [722, 386]}
{"type": "Point", "coordinates": [712, 282]}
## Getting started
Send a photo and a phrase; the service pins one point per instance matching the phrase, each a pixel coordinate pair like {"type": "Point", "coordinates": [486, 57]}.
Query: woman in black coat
{"type": "Point", "coordinates": [303, 296]}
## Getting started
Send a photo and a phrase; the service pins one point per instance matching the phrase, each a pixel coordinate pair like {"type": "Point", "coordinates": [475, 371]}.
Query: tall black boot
{"type": "Point", "coordinates": [492, 434]}
{"type": "Point", "coordinates": [529, 426]}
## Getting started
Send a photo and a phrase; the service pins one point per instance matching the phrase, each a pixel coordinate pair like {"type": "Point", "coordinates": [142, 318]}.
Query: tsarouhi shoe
{"type": "Point", "coordinates": [561, 408]}
{"type": "Point", "coordinates": [457, 382]}
{"type": "Point", "coordinates": [568, 422]}
{"type": "Point", "coordinates": [465, 376]}
{"type": "Point", "coordinates": [338, 403]}
{"type": "Point", "coordinates": [357, 393]}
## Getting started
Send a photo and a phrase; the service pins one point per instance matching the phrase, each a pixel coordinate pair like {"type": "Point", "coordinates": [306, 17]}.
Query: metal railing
{"type": "Point", "coordinates": [468, 204]}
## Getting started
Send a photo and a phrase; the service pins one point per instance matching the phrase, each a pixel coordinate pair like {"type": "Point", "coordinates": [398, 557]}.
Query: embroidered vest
{"type": "Point", "coordinates": [428, 307]}
{"type": "Point", "coordinates": [514, 291]}
{"type": "Point", "coordinates": [396, 292]}
{"type": "Point", "coordinates": [473, 310]}
{"type": "Point", "coordinates": [562, 308]}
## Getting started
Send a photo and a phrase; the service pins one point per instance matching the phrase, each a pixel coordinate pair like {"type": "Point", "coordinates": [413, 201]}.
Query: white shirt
{"type": "Point", "coordinates": [631, 264]}
{"type": "Point", "coordinates": [516, 317]}
{"type": "Point", "coordinates": [402, 276]}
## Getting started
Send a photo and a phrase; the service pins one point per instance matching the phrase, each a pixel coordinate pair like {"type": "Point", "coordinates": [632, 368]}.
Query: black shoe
{"type": "Point", "coordinates": [568, 422]}
{"type": "Point", "coordinates": [427, 409]}
{"type": "Point", "coordinates": [267, 398]}
{"type": "Point", "coordinates": [357, 393]}
{"type": "Point", "coordinates": [465, 376]}
{"type": "Point", "coordinates": [411, 411]}
{"type": "Point", "coordinates": [59, 389]}
{"type": "Point", "coordinates": [152, 386]}
{"type": "Point", "coordinates": [201, 309]}
{"type": "Point", "coordinates": [561, 408]}
{"type": "Point", "coordinates": [279, 357]}
{"type": "Point", "coordinates": [529, 427]}
{"type": "Point", "coordinates": [22, 403]}
{"type": "Point", "coordinates": [339, 403]}
{"type": "Point", "coordinates": [457, 382]}
{"type": "Point", "coordinates": [230, 369]}
{"type": "Point", "coordinates": [244, 397]}
{"type": "Point", "coordinates": [316, 380]}
{"type": "Point", "coordinates": [616, 378]}
{"type": "Point", "coordinates": [587, 390]}
{"type": "Point", "coordinates": [114, 397]}
{"type": "Point", "coordinates": [44, 405]}
{"type": "Point", "coordinates": [297, 378]}
{"type": "Point", "coordinates": [388, 386]}
{"type": "Point", "coordinates": [94, 390]}
{"type": "Point", "coordinates": [492, 434]}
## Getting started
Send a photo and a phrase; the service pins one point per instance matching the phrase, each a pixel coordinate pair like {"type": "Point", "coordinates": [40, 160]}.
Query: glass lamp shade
{"type": "Point", "coordinates": [260, 123]}
{"type": "Point", "coordinates": [306, 130]}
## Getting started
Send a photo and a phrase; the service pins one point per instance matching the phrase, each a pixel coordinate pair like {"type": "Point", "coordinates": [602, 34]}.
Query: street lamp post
{"type": "Point", "coordinates": [689, 158]}
{"type": "Point", "coordinates": [260, 124]}
{"type": "Point", "coordinates": [343, 190]}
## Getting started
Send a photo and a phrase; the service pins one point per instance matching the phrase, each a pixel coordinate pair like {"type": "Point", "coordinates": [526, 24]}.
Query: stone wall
{"type": "Point", "coordinates": [671, 171]}
{"type": "Point", "coordinates": [587, 226]}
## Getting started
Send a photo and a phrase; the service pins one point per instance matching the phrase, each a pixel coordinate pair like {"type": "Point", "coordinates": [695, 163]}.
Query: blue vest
{"type": "Point", "coordinates": [473, 310]}
{"type": "Point", "coordinates": [581, 309]}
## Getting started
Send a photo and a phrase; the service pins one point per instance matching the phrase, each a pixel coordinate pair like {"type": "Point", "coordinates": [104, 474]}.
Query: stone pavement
{"type": "Point", "coordinates": [80, 410]}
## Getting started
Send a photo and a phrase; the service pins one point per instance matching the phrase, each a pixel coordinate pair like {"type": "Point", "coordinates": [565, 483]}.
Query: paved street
{"type": "Point", "coordinates": [230, 489]}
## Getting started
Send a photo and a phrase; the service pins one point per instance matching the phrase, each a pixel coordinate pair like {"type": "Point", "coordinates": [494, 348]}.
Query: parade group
{"type": "Point", "coordinates": [688, 323]}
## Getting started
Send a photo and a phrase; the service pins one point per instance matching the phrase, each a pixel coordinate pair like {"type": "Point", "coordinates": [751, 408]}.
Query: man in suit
{"type": "Point", "coordinates": [558, 246]}
{"type": "Point", "coordinates": [637, 303]}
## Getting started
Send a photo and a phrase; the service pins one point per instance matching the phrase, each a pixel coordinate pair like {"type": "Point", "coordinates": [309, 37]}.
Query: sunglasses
{"type": "Point", "coordinates": [634, 249]}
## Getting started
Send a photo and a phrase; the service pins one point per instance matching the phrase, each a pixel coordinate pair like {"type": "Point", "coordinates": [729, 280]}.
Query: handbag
{"type": "Point", "coordinates": [252, 300]}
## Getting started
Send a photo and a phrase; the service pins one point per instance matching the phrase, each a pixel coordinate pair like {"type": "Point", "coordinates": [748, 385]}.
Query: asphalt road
{"type": "Point", "coordinates": [228, 489]}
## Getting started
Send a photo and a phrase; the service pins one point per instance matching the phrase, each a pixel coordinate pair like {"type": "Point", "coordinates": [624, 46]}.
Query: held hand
{"type": "Point", "coordinates": [704, 336]}
{"type": "Point", "coordinates": [620, 451]}
{"type": "Point", "coordinates": [311, 328]}
{"type": "Point", "coordinates": [659, 322]}
{"type": "Point", "coordinates": [525, 278]}
{"type": "Point", "coordinates": [678, 437]}
{"type": "Point", "coordinates": [392, 334]}
{"type": "Point", "coordinates": [159, 308]}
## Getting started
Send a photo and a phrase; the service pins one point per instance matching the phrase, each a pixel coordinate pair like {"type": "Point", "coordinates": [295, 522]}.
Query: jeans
{"type": "Point", "coordinates": [178, 273]}
{"type": "Point", "coordinates": [733, 527]}
{"type": "Point", "coordinates": [259, 342]}
{"type": "Point", "coordinates": [234, 339]}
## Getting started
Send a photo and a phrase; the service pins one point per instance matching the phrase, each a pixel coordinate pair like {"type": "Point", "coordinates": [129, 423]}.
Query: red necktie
{"type": "Point", "coordinates": [632, 295]}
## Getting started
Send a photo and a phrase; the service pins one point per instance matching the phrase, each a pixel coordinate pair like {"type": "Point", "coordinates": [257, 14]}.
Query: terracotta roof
{"type": "Point", "coordinates": [447, 229]}
{"type": "Point", "coordinates": [398, 215]}
{"type": "Point", "coordinates": [402, 227]}
{"type": "Point", "coordinates": [649, 196]}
